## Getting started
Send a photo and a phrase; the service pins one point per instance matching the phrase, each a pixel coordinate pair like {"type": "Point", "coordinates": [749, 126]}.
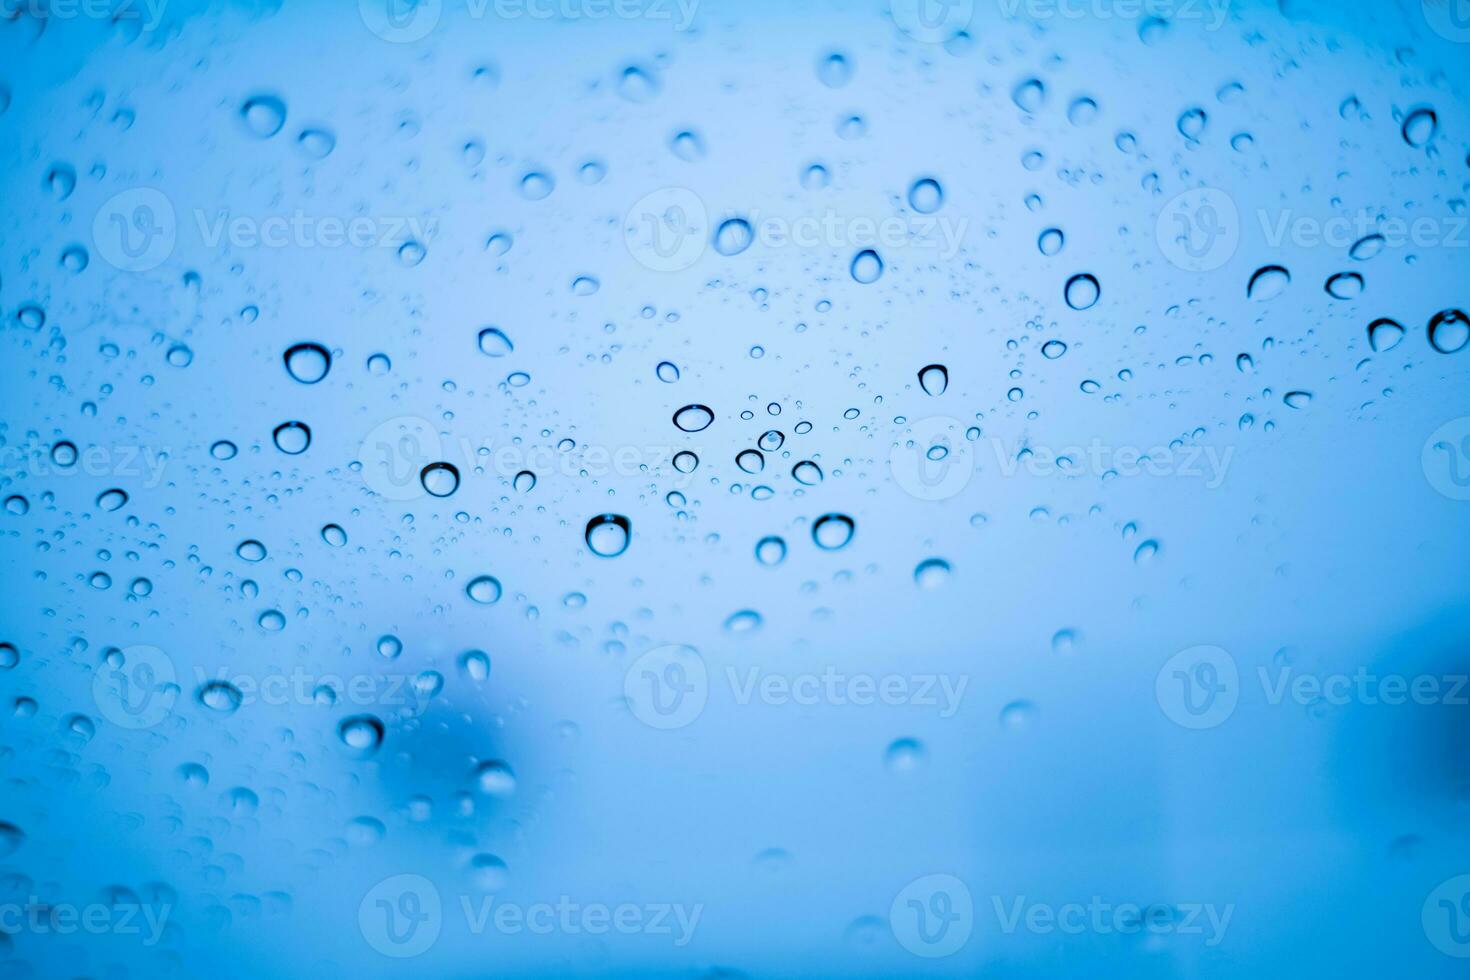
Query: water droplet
{"type": "Point", "coordinates": [694, 418]}
{"type": "Point", "coordinates": [1064, 641]}
{"type": "Point", "coordinates": [867, 267]}
{"type": "Point", "coordinates": [223, 449]}
{"type": "Point", "coordinates": [1050, 241]}
{"type": "Point", "coordinates": [524, 481]}
{"type": "Point", "coordinates": [770, 550]}
{"type": "Point", "coordinates": [363, 734]}
{"type": "Point", "coordinates": [1083, 111]}
{"type": "Point", "coordinates": [494, 342]}
{"type": "Point", "coordinates": [263, 115]}
{"type": "Point", "coordinates": [536, 186]}
{"type": "Point", "coordinates": [64, 454]}
{"type": "Point", "coordinates": [11, 839]}
{"type": "Point", "coordinates": [750, 461]}
{"type": "Point", "coordinates": [379, 365]}
{"type": "Point", "coordinates": [1146, 552]}
{"type": "Point", "coordinates": [317, 143]}
{"type": "Point", "coordinates": [733, 236]}
{"type": "Point", "coordinates": [308, 362]}
{"type": "Point", "coordinates": [1297, 399]}
{"type": "Point", "coordinates": [17, 505]}
{"type": "Point", "coordinates": [220, 696]}
{"type": "Point", "coordinates": [495, 778]}
{"type": "Point", "coordinates": [475, 665]}
{"type": "Point", "coordinates": [834, 70]}
{"type": "Point", "coordinates": [1367, 247]}
{"type": "Point", "coordinates": [334, 535]}
{"type": "Point", "coordinates": [926, 196]}
{"type": "Point", "coordinates": [667, 372]}
{"type": "Point", "coordinates": [1192, 124]}
{"type": "Point", "coordinates": [484, 590]}
{"type": "Point", "coordinates": [685, 461]}
{"type": "Point", "coordinates": [687, 145]}
{"type": "Point", "coordinates": [608, 535]}
{"type": "Point", "coordinates": [1384, 335]}
{"type": "Point", "coordinates": [1449, 331]}
{"type": "Point", "coordinates": [250, 550]}
{"type": "Point", "coordinates": [1268, 282]}
{"type": "Point", "coordinates": [1420, 127]}
{"type": "Point", "coordinates": [934, 379]}
{"type": "Point", "coordinates": [292, 438]}
{"type": "Point", "coordinates": [931, 573]}
{"type": "Point", "coordinates": [832, 532]}
{"type": "Point", "coordinates": [1082, 291]}
{"type": "Point", "coordinates": [905, 755]}
{"type": "Point", "coordinates": [744, 621]}
{"type": "Point", "coordinates": [439, 479]}
{"type": "Point", "coordinates": [389, 646]}
{"type": "Point", "coordinates": [807, 473]}
{"type": "Point", "coordinates": [272, 621]}
{"type": "Point", "coordinates": [1053, 349]}
{"type": "Point", "coordinates": [489, 873]}
{"type": "Point", "coordinates": [1029, 94]}
{"type": "Point", "coordinates": [10, 656]}
{"type": "Point", "coordinates": [815, 177]}
{"type": "Point", "coordinates": [1345, 285]}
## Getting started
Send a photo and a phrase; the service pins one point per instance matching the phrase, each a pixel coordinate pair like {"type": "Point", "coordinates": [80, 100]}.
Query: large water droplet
{"type": "Point", "coordinates": [770, 550]}
{"type": "Point", "coordinates": [494, 342]}
{"type": "Point", "coordinates": [220, 696]}
{"type": "Point", "coordinates": [1083, 291]}
{"type": "Point", "coordinates": [733, 236]}
{"type": "Point", "coordinates": [694, 418]}
{"type": "Point", "coordinates": [439, 479]}
{"type": "Point", "coordinates": [1268, 282]}
{"type": "Point", "coordinates": [926, 196]}
{"type": "Point", "coordinates": [484, 590]}
{"type": "Point", "coordinates": [934, 379]}
{"type": "Point", "coordinates": [308, 362]}
{"type": "Point", "coordinates": [1449, 331]}
{"type": "Point", "coordinates": [363, 734]}
{"type": "Point", "coordinates": [833, 531]}
{"type": "Point", "coordinates": [1384, 334]}
{"type": "Point", "coordinates": [292, 438]}
{"type": "Point", "coordinates": [1420, 127]}
{"type": "Point", "coordinates": [867, 267]}
{"type": "Point", "coordinates": [931, 573]}
{"type": "Point", "coordinates": [263, 115]}
{"type": "Point", "coordinates": [608, 535]}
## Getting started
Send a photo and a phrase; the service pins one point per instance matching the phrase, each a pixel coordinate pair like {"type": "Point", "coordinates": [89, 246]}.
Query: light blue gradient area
{"type": "Point", "coordinates": [1319, 540]}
